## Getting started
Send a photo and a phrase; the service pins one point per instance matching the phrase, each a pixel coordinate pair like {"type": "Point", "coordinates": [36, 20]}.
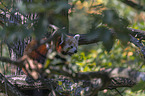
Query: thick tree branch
{"type": "Point", "coordinates": [87, 39]}
{"type": "Point", "coordinates": [137, 33]}
{"type": "Point", "coordinates": [120, 77]}
{"type": "Point", "coordinates": [134, 75]}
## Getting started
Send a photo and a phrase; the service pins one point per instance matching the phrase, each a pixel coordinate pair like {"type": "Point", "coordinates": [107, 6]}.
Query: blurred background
{"type": "Point", "coordinates": [94, 57]}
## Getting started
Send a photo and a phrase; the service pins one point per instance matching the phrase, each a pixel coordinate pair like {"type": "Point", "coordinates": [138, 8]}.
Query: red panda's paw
{"type": "Point", "coordinates": [31, 67]}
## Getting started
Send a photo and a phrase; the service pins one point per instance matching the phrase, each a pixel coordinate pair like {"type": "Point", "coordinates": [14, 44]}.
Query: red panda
{"type": "Point", "coordinates": [66, 45]}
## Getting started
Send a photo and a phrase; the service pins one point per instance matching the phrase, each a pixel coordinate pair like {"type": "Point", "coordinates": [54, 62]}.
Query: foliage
{"type": "Point", "coordinates": [23, 23]}
{"type": "Point", "coordinates": [91, 58]}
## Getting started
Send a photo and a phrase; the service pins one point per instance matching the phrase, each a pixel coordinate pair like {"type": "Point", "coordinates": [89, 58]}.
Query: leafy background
{"type": "Point", "coordinates": [94, 57]}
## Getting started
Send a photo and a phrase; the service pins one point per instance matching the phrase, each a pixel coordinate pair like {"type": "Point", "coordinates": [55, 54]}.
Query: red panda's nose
{"type": "Point", "coordinates": [75, 51]}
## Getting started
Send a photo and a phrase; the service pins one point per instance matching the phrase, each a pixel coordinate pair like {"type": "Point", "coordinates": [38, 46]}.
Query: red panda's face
{"type": "Point", "coordinates": [70, 44]}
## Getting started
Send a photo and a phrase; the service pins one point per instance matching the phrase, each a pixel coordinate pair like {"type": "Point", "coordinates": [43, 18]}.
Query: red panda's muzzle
{"type": "Point", "coordinates": [67, 53]}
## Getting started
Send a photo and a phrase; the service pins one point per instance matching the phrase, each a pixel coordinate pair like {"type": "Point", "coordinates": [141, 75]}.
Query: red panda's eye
{"type": "Point", "coordinates": [71, 46]}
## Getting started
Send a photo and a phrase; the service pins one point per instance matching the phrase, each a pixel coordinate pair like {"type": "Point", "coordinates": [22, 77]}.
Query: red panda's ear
{"type": "Point", "coordinates": [77, 36]}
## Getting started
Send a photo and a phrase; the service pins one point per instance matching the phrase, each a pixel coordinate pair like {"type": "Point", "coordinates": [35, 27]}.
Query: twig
{"type": "Point", "coordinates": [118, 92]}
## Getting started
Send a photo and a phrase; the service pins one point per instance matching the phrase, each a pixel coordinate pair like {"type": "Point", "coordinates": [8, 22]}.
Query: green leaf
{"type": "Point", "coordinates": [139, 86]}
{"type": "Point", "coordinates": [108, 41]}
{"type": "Point", "coordinates": [82, 1]}
{"type": "Point", "coordinates": [59, 83]}
{"type": "Point", "coordinates": [122, 34]}
{"type": "Point", "coordinates": [106, 37]}
{"type": "Point", "coordinates": [110, 17]}
{"type": "Point", "coordinates": [47, 62]}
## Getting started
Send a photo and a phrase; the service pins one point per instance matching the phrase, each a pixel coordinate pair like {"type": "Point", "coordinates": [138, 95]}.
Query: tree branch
{"type": "Point", "coordinates": [133, 5]}
{"type": "Point", "coordinates": [133, 75]}
{"type": "Point", "coordinates": [8, 60]}
{"type": "Point", "coordinates": [137, 33]}
{"type": "Point", "coordinates": [87, 39]}
{"type": "Point", "coordinates": [120, 77]}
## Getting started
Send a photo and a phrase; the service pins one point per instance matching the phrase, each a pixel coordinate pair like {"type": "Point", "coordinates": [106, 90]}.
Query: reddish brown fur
{"type": "Point", "coordinates": [37, 54]}
{"type": "Point", "coordinates": [40, 53]}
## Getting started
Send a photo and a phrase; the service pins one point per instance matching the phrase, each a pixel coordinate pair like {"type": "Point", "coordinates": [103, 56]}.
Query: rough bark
{"type": "Point", "coordinates": [8, 88]}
